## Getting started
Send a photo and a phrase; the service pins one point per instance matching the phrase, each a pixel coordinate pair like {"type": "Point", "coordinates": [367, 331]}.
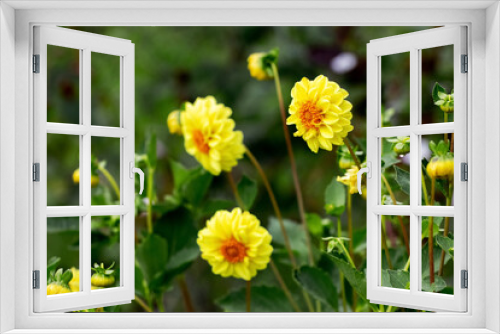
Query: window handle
{"type": "Point", "coordinates": [141, 175]}
{"type": "Point", "coordinates": [368, 172]}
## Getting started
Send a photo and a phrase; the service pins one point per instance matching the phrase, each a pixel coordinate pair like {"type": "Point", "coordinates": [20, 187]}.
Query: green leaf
{"type": "Point", "coordinates": [389, 159]}
{"type": "Point", "coordinates": [386, 278]}
{"type": "Point", "coordinates": [212, 206]}
{"type": "Point", "coordinates": [247, 188]}
{"type": "Point", "coordinates": [446, 244]}
{"type": "Point", "coordinates": [180, 174]}
{"type": "Point", "coordinates": [139, 282]}
{"type": "Point", "coordinates": [319, 284]}
{"type": "Point", "coordinates": [263, 299]}
{"type": "Point", "coordinates": [52, 265]}
{"type": "Point", "coordinates": [151, 151]}
{"type": "Point", "coordinates": [314, 224]}
{"type": "Point", "coordinates": [356, 278]}
{"type": "Point", "coordinates": [196, 186]}
{"type": "Point", "coordinates": [438, 285]}
{"type": "Point", "coordinates": [152, 256]}
{"type": "Point", "coordinates": [400, 279]}
{"type": "Point", "coordinates": [437, 92]}
{"type": "Point", "coordinates": [295, 233]}
{"type": "Point", "coordinates": [425, 227]}
{"type": "Point", "coordinates": [177, 227]}
{"type": "Point", "coordinates": [335, 198]}
{"type": "Point", "coordinates": [403, 179]}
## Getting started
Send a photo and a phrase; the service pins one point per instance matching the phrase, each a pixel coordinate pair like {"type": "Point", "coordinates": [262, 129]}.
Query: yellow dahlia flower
{"type": "Point", "coordinates": [174, 122]}
{"type": "Point", "coordinates": [320, 112]}
{"type": "Point", "coordinates": [235, 244]}
{"type": "Point", "coordinates": [350, 179]}
{"type": "Point", "coordinates": [209, 135]}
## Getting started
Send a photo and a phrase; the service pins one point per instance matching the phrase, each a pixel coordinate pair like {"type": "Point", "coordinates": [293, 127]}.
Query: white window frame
{"type": "Point", "coordinates": [16, 22]}
{"type": "Point", "coordinates": [413, 44]}
{"type": "Point", "coordinates": [86, 44]}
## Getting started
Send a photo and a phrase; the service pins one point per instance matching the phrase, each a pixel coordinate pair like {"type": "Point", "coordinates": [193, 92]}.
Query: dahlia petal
{"type": "Point", "coordinates": [326, 131]}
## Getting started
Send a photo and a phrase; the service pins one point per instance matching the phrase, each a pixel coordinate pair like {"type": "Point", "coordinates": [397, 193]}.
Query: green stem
{"type": "Point", "coordinates": [389, 309]}
{"type": "Point", "coordinates": [351, 262]}
{"type": "Point", "coordinates": [151, 172]}
{"type": "Point", "coordinates": [424, 189]}
{"type": "Point", "coordinates": [349, 223]}
{"type": "Point", "coordinates": [430, 237]}
{"type": "Point", "coordinates": [186, 295]}
{"type": "Point", "coordinates": [341, 274]}
{"type": "Point", "coordinates": [235, 190]}
{"type": "Point", "coordinates": [142, 304]}
{"type": "Point", "coordinates": [384, 242]}
{"type": "Point", "coordinates": [159, 302]}
{"type": "Point", "coordinates": [446, 228]}
{"type": "Point", "coordinates": [283, 286]}
{"type": "Point", "coordinates": [274, 203]}
{"type": "Point", "coordinates": [110, 179]}
{"type": "Point", "coordinates": [249, 296]}
{"type": "Point", "coordinates": [446, 121]}
{"type": "Point", "coordinates": [353, 154]}
{"type": "Point", "coordinates": [407, 265]}
{"type": "Point", "coordinates": [400, 219]}
{"type": "Point", "coordinates": [298, 191]}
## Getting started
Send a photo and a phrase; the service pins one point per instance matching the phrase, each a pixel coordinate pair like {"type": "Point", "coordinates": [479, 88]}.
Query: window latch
{"type": "Point", "coordinates": [464, 171]}
{"type": "Point", "coordinates": [368, 171]}
{"type": "Point", "coordinates": [138, 171]}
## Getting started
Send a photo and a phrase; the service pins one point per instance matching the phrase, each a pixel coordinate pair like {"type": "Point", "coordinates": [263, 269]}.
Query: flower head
{"type": "Point", "coordinates": [235, 244]}
{"type": "Point", "coordinates": [400, 145]}
{"type": "Point", "coordinates": [441, 164]}
{"type": "Point", "coordinates": [350, 179]}
{"type": "Point", "coordinates": [58, 282]}
{"type": "Point", "coordinates": [94, 178]}
{"type": "Point", "coordinates": [74, 284]}
{"type": "Point", "coordinates": [209, 135]}
{"type": "Point", "coordinates": [174, 122]}
{"type": "Point", "coordinates": [320, 112]}
{"type": "Point", "coordinates": [260, 64]}
{"type": "Point", "coordinates": [446, 102]}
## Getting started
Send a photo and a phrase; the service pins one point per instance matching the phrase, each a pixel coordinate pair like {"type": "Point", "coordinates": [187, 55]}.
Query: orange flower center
{"type": "Point", "coordinates": [310, 115]}
{"type": "Point", "coordinates": [233, 251]}
{"type": "Point", "coordinates": [199, 140]}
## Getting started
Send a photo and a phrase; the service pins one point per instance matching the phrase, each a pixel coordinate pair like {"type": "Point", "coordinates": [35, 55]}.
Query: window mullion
{"type": "Point", "coordinates": [85, 167]}
{"type": "Point", "coordinates": [415, 170]}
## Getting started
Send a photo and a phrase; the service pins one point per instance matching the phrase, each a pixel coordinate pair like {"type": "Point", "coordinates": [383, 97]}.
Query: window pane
{"type": "Point", "coordinates": [395, 93]}
{"type": "Point", "coordinates": [395, 167]}
{"type": "Point", "coordinates": [63, 174]}
{"type": "Point", "coordinates": [442, 253]}
{"type": "Point", "coordinates": [105, 169]}
{"type": "Point", "coordinates": [105, 248]}
{"type": "Point", "coordinates": [437, 84]}
{"type": "Point", "coordinates": [63, 86]}
{"type": "Point", "coordinates": [105, 89]}
{"type": "Point", "coordinates": [63, 254]}
{"type": "Point", "coordinates": [437, 169]}
{"type": "Point", "coordinates": [395, 234]}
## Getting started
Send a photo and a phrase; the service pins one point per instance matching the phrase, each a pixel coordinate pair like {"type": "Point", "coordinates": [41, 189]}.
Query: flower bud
{"type": "Point", "coordinates": [174, 122]}
{"type": "Point", "coordinates": [443, 100]}
{"type": "Point", "coordinates": [94, 179]}
{"type": "Point", "coordinates": [260, 64]}
{"type": "Point", "coordinates": [400, 145]}
{"type": "Point", "coordinates": [441, 164]}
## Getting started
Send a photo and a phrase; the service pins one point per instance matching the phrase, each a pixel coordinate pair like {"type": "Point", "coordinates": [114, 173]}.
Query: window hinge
{"type": "Point", "coordinates": [465, 64]}
{"type": "Point", "coordinates": [36, 63]}
{"type": "Point", "coordinates": [36, 279]}
{"type": "Point", "coordinates": [36, 172]}
{"type": "Point", "coordinates": [464, 171]}
{"type": "Point", "coordinates": [464, 279]}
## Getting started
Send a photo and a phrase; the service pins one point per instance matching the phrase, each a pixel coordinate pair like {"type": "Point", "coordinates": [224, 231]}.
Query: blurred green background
{"type": "Point", "coordinates": [178, 64]}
